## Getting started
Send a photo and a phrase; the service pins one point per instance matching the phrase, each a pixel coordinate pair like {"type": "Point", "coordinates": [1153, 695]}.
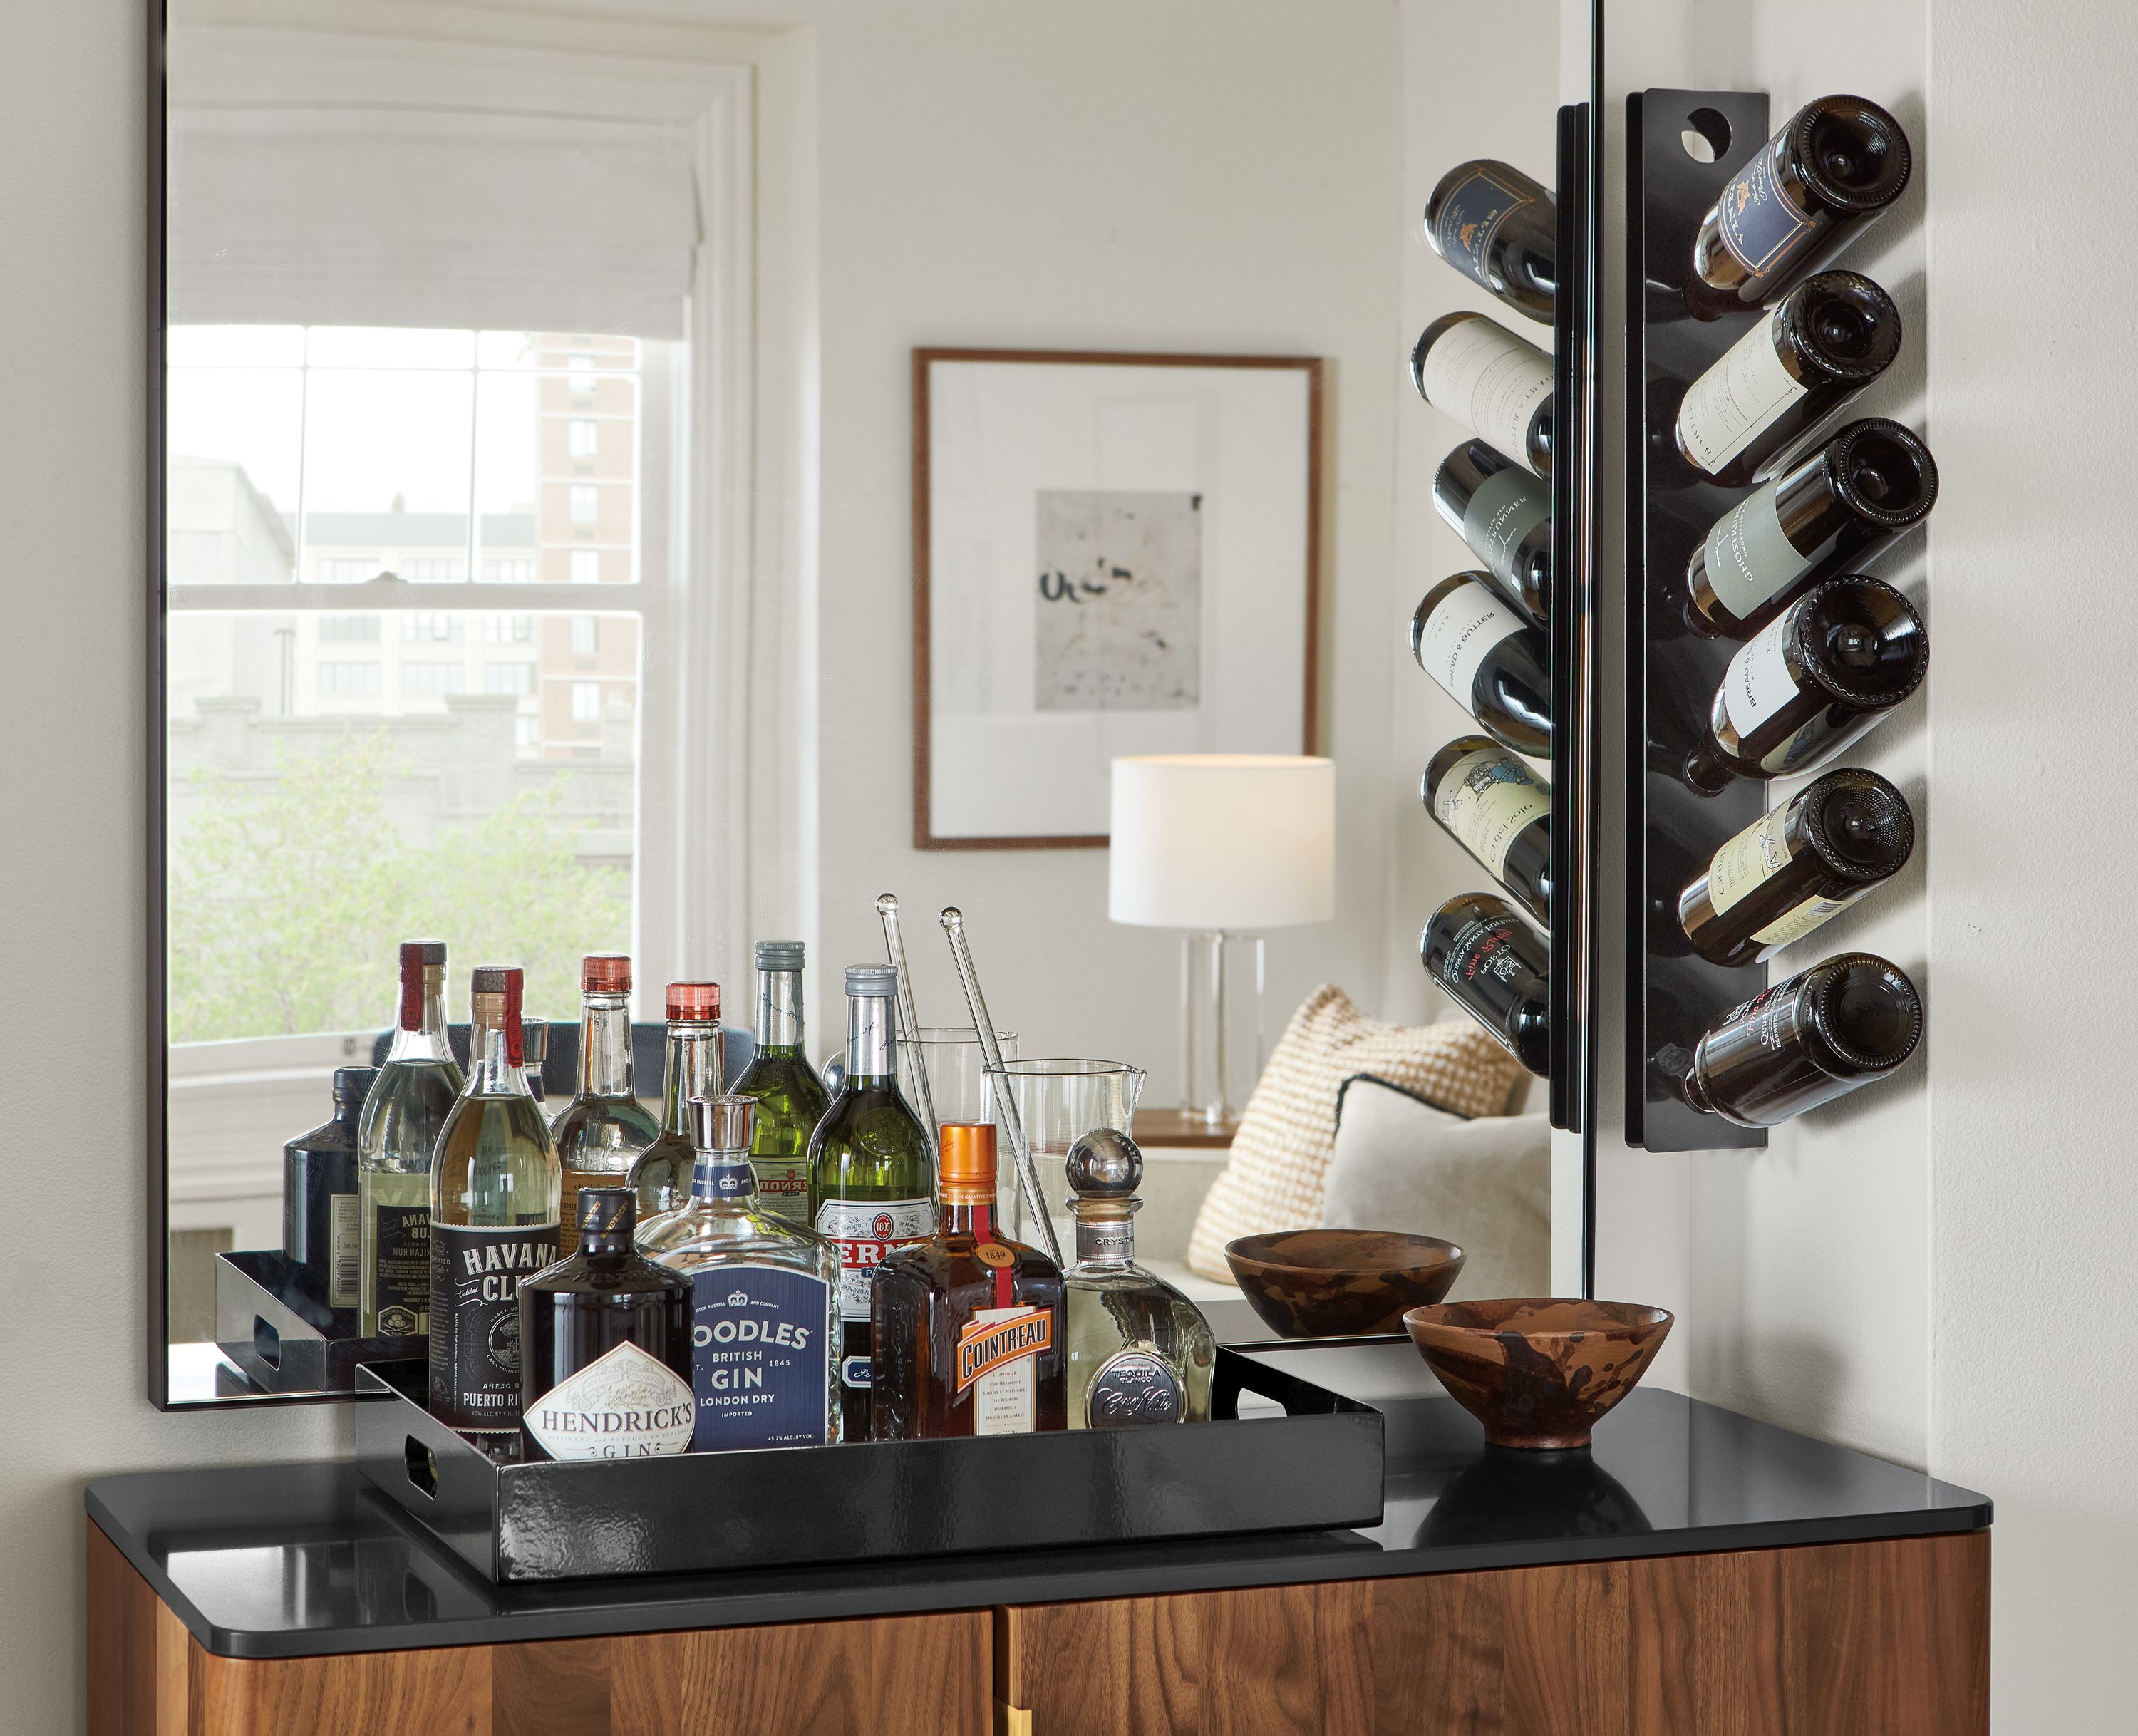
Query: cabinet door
{"type": "Point", "coordinates": [1878, 1639]}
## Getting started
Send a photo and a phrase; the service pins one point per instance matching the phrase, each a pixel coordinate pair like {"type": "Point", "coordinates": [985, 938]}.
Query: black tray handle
{"type": "Point", "coordinates": [1236, 1374]}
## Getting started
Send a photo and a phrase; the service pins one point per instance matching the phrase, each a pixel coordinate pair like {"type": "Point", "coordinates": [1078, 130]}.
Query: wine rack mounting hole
{"type": "Point", "coordinates": [1706, 136]}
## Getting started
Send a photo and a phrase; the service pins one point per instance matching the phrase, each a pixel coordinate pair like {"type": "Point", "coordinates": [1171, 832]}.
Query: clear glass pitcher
{"type": "Point", "coordinates": [957, 1075]}
{"type": "Point", "coordinates": [1058, 1100]}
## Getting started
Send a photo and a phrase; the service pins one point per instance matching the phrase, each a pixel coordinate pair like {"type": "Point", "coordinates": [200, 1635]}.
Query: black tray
{"type": "Point", "coordinates": [1309, 1460]}
{"type": "Point", "coordinates": [281, 1338]}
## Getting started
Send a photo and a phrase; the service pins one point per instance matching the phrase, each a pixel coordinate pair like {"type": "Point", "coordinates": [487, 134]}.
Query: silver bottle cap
{"type": "Point", "coordinates": [1105, 1164]}
{"type": "Point", "coordinates": [871, 981]}
{"type": "Point", "coordinates": [723, 1124]}
{"type": "Point", "coordinates": [781, 955]}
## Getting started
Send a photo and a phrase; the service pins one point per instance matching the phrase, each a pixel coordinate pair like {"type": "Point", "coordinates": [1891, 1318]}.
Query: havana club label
{"type": "Point", "coordinates": [474, 1319]}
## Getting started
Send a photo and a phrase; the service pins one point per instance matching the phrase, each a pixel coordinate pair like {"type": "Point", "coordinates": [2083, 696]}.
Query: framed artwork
{"type": "Point", "coordinates": [1112, 553]}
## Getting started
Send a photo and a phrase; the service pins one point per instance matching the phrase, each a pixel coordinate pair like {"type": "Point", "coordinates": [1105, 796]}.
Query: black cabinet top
{"type": "Point", "coordinates": [297, 1560]}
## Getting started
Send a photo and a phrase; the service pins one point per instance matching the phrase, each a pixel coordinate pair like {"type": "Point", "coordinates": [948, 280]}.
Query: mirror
{"type": "Point", "coordinates": [576, 440]}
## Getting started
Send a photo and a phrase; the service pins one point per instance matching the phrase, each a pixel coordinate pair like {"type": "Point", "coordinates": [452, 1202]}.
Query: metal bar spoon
{"type": "Point", "coordinates": [886, 908]}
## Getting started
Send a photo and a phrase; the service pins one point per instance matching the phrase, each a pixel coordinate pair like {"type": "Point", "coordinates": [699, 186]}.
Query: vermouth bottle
{"type": "Point", "coordinates": [1826, 512]}
{"type": "Point", "coordinates": [493, 1209]}
{"type": "Point", "coordinates": [791, 1098]}
{"type": "Point", "coordinates": [764, 1298]}
{"type": "Point", "coordinates": [1496, 385]}
{"type": "Point", "coordinates": [1835, 166]}
{"type": "Point", "coordinates": [319, 1235]}
{"type": "Point", "coordinates": [404, 1112]}
{"type": "Point", "coordinates": [1487, 659]}
{"type": "Point", "coordinates": [1494, 807]}
{"type": "Point", "coordinates": [1504, 513]}
{"type": "Point", "coordinates": [1139, 1351]}
{"type": "Point", "coordinates": [967, 1327]}
{"type": "Point", "coordinates": [697, 1067]}
{"type": "Point", "coordinates": [1818, 1037]}
{"type": "Point", "coordinates": [1807, 357]}
{"type": "Point", "coordinates": [872, 1181]}
{"type": "Point", "coordinates": [605, 1343]}
{"type": "Point", "coordinates": [1495, 967]}
{"type": "Point", "coordinates": [1839, 837]}
{"type": "Point", "coordinates": [1499, 229]}
{"type": "Point", "coordinates": [600, 1132]}
{"type": "Point", "coordinates": [1816, 678]}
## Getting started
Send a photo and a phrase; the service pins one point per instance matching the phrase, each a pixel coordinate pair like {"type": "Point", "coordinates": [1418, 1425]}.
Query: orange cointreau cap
{"type": "Point", "coordinates": [965, 1155]}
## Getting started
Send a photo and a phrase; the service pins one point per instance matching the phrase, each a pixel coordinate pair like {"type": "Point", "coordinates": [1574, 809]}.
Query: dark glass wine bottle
{"type": "Point", "coordinates": [319, 1226]}
{"type": "Point", "coordinates": [1504, 514]}
{"type": "Point", "coordinates": [1807, 356]}
{"type": "Point", "coordinates": [1823, 514]}
{"type": "Point", "coordinates": [1489, 801]}
{"type": "Point", "coordinates": [1834, 169]}
{"type": "Point", "coordinates": [697, 1067]}
{"type": "Point", "coordinates": [605, 1345]}
{"type": "Point", "coordinates": [1496, 385]}
{"type": "Point", "coordinates": [1499, 229]}
{"type": "Point", "coordinates": [1490, 661]}
{"type": "Point", "coordinates": [1817, 677]}
{"type": "Point", "coordinates": [1495, 967]}
{"type": "Point", "coordinates": [1843, 834]}
{"type": "Point", "coordinates": [1803, 1042]}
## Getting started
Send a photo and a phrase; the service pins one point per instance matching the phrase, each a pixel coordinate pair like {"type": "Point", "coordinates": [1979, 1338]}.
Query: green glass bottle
{"type": "Point", "coordinates": [872, 1178]}
{"type": "Point", "coordinates": [791, 1099]}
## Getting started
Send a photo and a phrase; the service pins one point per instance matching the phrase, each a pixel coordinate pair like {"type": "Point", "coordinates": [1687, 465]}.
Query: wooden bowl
{"type": "Point", "coordinates": [1538, 1372]}
{"type": "Point", "coordinates": [1336, 1283]}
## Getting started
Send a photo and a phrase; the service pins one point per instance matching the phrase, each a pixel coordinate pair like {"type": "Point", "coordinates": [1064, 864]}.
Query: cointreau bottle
{"type": "Point", "coordinates": [697, 1067]}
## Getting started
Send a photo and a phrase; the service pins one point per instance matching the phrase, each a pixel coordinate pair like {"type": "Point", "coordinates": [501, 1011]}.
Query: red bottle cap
{"type": "Point", "coordinates": [510, 981]}
{"type": "Point", "coordinates": [694, 1004]}
{"type": "Point", "coordinates": [605, 973]}
{"type": "Point", "coordinates": [416, 956]}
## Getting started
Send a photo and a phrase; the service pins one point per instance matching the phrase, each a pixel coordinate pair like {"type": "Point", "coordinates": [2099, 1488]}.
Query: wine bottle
{"type": "Point", "coordinates": [605, 1346]}
{"type": "Point", "coordinates": [697, 1067]}
{"type": "Point", "coordinates": [1499, 229]}
{"type": "Point", "coordinates": [1494, 966]}
{"type": "Point", "coordinates": [1504, 514]}
{"type": "Point", "coordinates": [601, 1132]}
{"type": "Point", "coordinates": [1808, 355]}
{"type": "Point", "coordinates": [1494, 807]}
{"type": "Point", "coordinates": [1840, 836]}
{"type": "Point", "coordinates": [1803, 1042]}
{"type": "Point", "coordinates": [1490, 662]}
{"type": "Point", "coordinates": [493, 1209]}
{"type": "Point", "coordinates": [320, 1240]}
{"type": "Point", "coordinates": [1825, 513]}
{"type": "Point", "coordinates": [1834, 169]}
{"type": "Point", "coordinates": [791, 1098]}
{"type": "Point", "coordinates": [1817, 677]}
{"type": "Point", "coordinates": [1494, 383]}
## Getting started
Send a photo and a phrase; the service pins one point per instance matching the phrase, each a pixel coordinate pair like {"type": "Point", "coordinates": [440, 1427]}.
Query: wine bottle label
{"type": "Point", "coordinates": [783, 1188]}
{"type": "Point", "coordinates": [1741, 866]}
{"type": "Point", "coordinates": [1470, 217]}
{"type": "Point", "coordinates": [1486, 799]}
{"type": "Point", "coordinates": [1459, 633]}
{"type": "Point", "coordinates": [1758, 222]}
{"type": "Point", "coordinates": [1132, 1387]}
{"type": "Point", "coordinates": [625, 1404]}
{"type": "Point", "coordinates": [1802, 920]}
{"type": "Point", "coordinates": [759, 1358]}
{"type": "Point", "coordinates": [864, 1231]}
{"type": "Point", "coordinates": [345, 1252]}
{"type": "Point", "coordinates": [400, 1269]}
{"type": "Point", "coordinates": [474, 1319]}
{"type": "Point", "coordinates": [999, 1362]}
{"type": "Point", "coordinates": [1489, 380]}
{"type": "Point", "coordinates": [1758, 683]}
{"type": "Point", "coordinates": [1485, 947]}
{"type": "Point", "coordinates": [1731, 404]}
{"type": "Point", "coordinates": [1750, 556]}
{"type": "Point", "coordinates": [1508, 506]}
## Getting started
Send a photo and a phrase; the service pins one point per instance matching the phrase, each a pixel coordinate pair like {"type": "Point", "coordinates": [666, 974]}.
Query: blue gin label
{"type": "Point", "coordinates": [1760, 225]}
{"type": "Point", "coordinates": [758, 1352]}
{"type": "Point", "coordinates": [712, 1179]}
{"type": "Point", "coordinates": [1470, 217]}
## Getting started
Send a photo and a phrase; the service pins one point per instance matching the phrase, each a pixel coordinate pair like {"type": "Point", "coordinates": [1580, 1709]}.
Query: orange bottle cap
{"type": "Point", "coordinates": [966, 1155]}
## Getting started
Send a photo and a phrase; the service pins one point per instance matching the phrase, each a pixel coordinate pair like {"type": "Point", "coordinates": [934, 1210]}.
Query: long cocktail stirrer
{"type": "Point", "coordinates": [886, 908]}
{"type": "Point", "coordinates": [1028, 1177]}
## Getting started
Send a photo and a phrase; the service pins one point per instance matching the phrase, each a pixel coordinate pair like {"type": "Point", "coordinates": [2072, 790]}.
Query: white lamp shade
{"type": "Point", "coordinates": [1235, 841]}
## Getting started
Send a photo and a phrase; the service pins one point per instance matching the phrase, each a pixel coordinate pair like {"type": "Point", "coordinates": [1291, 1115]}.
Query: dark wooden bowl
{"type": "Point", "coordinates": [1538, 1372]}
{"type": "Point", "coordinates": [1309, 1284]}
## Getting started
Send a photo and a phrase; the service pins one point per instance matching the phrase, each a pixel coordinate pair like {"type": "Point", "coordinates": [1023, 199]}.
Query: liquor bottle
{"type": "Point", "coordinates": [764, 1298]}
{"type": "Point", "coordinates": [1504, 514]}
{"type": "Point", "coordinates": [791, 1098]}
{"type": "Point", "coordinates": [1490, 660]}
{"type": "Point", "coordinates": [697, 1067]}
{"type": "Point", "coordinates": [1496, 385]}
{"type": "Point", "coordinates": [1817, 677]}
{"type": "Point", "coordinates": [320, 1240]}
{"type": "Point", "coordinates": [605, 1346]}
{"type": "Point", "coordinates": [1808, 355]}
{"type": "Point", "coordinates": [534, 1051]}
{"type": "Point", "coordinates": [1803, 1042]}
{"type": "Point", "coordinates": [1494, 966]}
{"type": "Point", "coordinates": [1139, 1351]}
{"type": "Point", "coordinates": [1841, 835]}
{"type": "Point", "coordinates": [403, 1114]}
{"type": "Point", "coordinates": [871, 1184]}
{"type": "Point", "coordinates": [1499, 229]}
{"type": "Point", "coordinates": [1500, 810]}
{"type": "Point", "coordinates": [1835, 167]}
{"type": "Point", "coordinates": [1827, 511]}
{"type": "Point", "coordinates": [968, 1327]}
{"type": "Point", "coordinates": [600, 1132]}
{"type": "Point", "coordinates": [494, 1207]}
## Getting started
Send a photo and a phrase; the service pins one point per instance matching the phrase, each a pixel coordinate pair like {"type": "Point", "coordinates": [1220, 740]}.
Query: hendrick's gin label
{"type": "Point", "coordinates": [474, 1319]}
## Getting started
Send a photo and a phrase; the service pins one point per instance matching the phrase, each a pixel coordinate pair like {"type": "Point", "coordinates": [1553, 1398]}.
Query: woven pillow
{"type": "Point", "coordinates": [1280, 1152]}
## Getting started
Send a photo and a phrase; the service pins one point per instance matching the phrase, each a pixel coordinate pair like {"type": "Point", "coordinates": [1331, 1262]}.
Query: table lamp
{"type": "Point", "coordinates": [1224, 845]}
